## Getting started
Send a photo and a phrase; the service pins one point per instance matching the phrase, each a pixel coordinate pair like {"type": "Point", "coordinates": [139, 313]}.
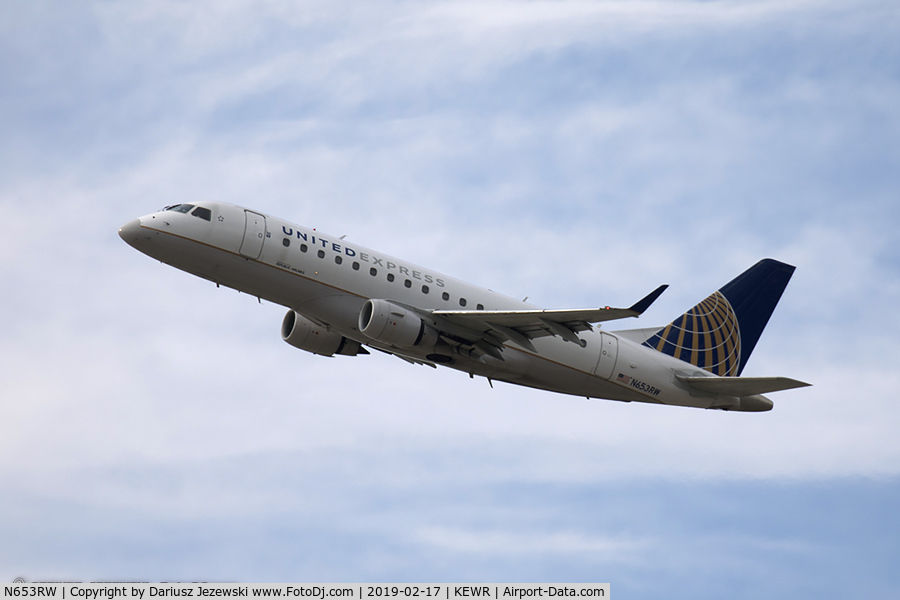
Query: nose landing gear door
{"type": "Point", "coordinates": [254, 234]}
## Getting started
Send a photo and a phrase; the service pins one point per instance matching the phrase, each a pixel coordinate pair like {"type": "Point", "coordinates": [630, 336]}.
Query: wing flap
{"type": "Point", "coordinates": [741, 386]}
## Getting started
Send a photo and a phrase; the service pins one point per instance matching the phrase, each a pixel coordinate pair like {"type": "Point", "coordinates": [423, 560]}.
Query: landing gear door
{"type": "Point", "coordinates": [254, 234]}
{"type": "Point", "coordinates": [609, 350]}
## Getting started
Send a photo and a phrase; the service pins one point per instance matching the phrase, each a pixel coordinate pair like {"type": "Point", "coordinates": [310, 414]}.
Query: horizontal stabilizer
{"type": "Point", "coordinates": [741, 386]}
{"type": "Point", "coordinates": [638, 336]}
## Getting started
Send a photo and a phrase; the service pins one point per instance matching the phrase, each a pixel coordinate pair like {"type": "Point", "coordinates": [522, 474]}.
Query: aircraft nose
{"type": "Point", "coordinates": [130, 232]}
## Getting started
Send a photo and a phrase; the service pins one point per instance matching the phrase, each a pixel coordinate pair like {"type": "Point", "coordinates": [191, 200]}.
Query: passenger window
{"type": "Point", "coordinates": [425, 289]}
{"type": "Point", "coordinates": [462, 302]}
{"type": "Point", "coordinates": [355, 266]}
{"type": "Point", "coordinates": [407, 283]}
{"type": "Point", "coordinates": [338, 259]}
{"type": "Point", "coordinates": [303, 247]}
{"type": "Point", "coordinates": [445, 296]}
{"type": "Point", "coordinates": [203, 213]}
{"type": "Point", "coordinates": [286, 242]}
{"type": "Point", "coordinates": [321, 254]}
{"type": "Point", "coordinates": [390, 277]}
{"type": "Point", "coordinates": [480, 307]}
{"type": "Point", "coordinates": [373, 271]}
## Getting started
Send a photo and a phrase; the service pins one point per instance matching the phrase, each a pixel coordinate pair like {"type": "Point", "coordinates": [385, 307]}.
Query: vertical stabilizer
{"type": "Point", "coordinates": [719, 334]}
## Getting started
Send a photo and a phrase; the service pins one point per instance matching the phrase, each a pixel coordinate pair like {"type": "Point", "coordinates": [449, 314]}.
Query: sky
{"type": "Point", "coordinates": [579, 153]}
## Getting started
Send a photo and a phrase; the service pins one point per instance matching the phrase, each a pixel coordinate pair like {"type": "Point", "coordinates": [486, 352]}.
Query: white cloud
{"type": "Point", "coordinates": [511, 544]}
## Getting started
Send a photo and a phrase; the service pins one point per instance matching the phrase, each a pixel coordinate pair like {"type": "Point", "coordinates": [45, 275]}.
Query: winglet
{"type": "Point", "coordinates": [641, 305]}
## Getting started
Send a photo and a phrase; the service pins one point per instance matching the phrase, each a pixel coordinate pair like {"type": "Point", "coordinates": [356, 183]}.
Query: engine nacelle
{"type": "Point", "coordinates": [300, 332]}
{"type": "Point", "coordinates": [393, 324]}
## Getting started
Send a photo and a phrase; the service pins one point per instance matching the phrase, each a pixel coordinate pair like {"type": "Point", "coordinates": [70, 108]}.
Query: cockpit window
{"type": "Point", "coordinates": [182, 208]}
{"type": "Point", "coordinates": [203, 213]}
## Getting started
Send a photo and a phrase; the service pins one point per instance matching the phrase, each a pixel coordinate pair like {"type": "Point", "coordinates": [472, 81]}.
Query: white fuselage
{"type": "Point", "coordinates": [327, 280]}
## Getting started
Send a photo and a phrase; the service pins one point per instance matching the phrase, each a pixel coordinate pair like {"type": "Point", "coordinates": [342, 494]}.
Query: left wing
{"type": "Point", "coordinates": [521, 326]}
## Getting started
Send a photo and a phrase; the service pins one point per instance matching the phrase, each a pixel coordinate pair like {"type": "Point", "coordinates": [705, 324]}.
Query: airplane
{"type": "Point", "coordinates": [344, 299]}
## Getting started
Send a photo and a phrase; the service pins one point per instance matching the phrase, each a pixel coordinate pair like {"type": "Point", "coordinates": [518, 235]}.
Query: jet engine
{"type": "Point", "coordinates": [392, 324]}
{"type": "Point", "coordinates": [300, 332]}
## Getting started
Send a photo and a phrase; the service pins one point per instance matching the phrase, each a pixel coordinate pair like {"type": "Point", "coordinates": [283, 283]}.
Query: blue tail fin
{"type": "Point", "coordinates": [720, 333]}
